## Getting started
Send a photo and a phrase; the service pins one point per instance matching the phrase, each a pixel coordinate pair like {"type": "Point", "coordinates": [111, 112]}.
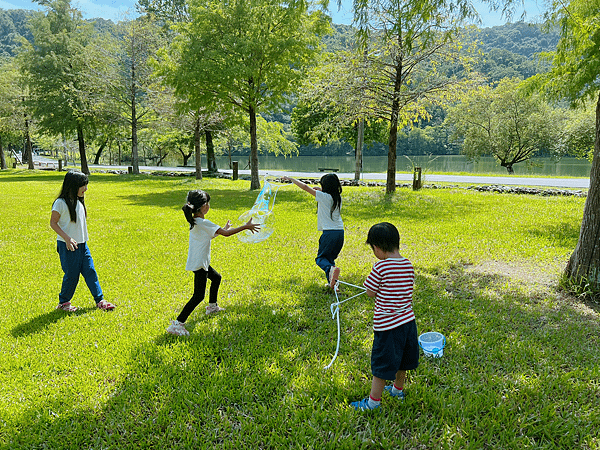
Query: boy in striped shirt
{"type": "Point", "coordinates": [395, 341]}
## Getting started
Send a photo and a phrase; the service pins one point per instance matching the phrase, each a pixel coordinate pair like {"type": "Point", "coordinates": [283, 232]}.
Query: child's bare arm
{"type": "Point", "coordinates": [54, 218]}
{"type": "Point", "coordinates": [301, 185]}
{"type": "Point", "coordinates": [228, 231]}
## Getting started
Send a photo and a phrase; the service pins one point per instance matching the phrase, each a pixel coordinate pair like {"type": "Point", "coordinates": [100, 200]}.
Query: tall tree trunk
{"type": "Point", "coordinates": [2, 157]}
{"type": "Point", "coordinates": [197, 148]}
{"type": "Point", "coordinates": [359, 146]}
{"type": "Point", "coordinates": [584, 265]}
{"type": "Point", "coordinates": [390, 185]}
{"type": "Point", "coordinates": [28, 150]}
{"type": "Point", "coordinates": [254, 180]}
{"type": "Point", "coordinates": [211, 161]}
{"type": "Point", "coordinates": [82, 155]}
{"type": "Point", "coordinates": [135, 160]}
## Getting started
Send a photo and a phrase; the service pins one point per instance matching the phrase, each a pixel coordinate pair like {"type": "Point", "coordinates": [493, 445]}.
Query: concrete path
{"type": "Point", "coordinates": [570, 183]}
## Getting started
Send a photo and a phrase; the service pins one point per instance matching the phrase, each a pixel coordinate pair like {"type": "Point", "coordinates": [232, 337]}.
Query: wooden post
{"type": "Point", "coordinates": [235, 166]}
{"type": "Point", "coordinates": [60, 165]}
{"type": "Point", "coordinates": [417, 179]}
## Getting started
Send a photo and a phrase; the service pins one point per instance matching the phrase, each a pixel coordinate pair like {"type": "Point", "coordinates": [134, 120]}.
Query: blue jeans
{"type": "Point", "coordinates": [330, 246]}
{"type": "Point", "coordinates": [73, 264]}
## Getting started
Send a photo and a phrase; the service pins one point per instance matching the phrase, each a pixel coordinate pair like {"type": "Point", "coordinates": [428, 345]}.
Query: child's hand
{"type": "Point", "coordinates": [228, 225]}
{"type": "Point", "coordinates": [71, 244]}
{"type": "Point", "coordinates": [253, 227]}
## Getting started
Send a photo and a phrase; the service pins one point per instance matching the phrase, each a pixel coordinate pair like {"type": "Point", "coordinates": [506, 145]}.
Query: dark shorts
{"type": "Point", "coordinates": [394, 350]}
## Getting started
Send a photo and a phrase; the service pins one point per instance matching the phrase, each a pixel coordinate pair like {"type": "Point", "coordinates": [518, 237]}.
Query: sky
{"type": "Point", "coordinates": [116, 10]}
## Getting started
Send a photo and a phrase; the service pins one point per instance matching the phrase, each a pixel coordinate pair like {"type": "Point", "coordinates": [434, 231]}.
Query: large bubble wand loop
{"type": "Point", "coordinates": [335, 314]}
{"type": "Point", "coordinates": [261, 213]}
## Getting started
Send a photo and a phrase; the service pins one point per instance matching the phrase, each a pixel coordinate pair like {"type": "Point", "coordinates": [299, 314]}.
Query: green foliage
{"type": "Point", "coordinates": [58, 64]}
{"type": "Point", "coordinates": [575, 64]}
{"type": "Point", "coordinates": [13, 27]}
{"type": "Point", "coordinates": [518, 357]}
{"type": "Point", "coordinates": [518, 39]}
{"type": "Point", "coordinates": [503, 122]}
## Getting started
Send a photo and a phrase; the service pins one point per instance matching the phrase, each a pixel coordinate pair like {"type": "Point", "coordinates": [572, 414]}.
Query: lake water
{"type": "Point", "coordinates": [566, 167]}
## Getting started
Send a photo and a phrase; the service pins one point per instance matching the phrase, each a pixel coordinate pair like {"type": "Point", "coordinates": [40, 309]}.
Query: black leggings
{"type": "Point", "coordinates": [200, 277]}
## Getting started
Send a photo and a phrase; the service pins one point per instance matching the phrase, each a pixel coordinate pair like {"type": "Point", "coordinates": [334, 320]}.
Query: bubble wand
{"type": "Point", "coordinates": [335, 314]}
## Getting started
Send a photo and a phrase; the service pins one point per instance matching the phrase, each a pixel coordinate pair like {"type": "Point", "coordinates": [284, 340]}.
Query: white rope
{"type": "Point", "coordinates": [335, 314]}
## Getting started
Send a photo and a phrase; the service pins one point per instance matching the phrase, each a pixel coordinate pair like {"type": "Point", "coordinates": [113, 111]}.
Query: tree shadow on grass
{"type": "Point", "coordinates": [42, 322]}
{"type": "Point", "coordinates": [221, 199]}
{"type": "Point", "coordinates": [250, 378]}
{"type": "Point", "coordinates": [564, 234]}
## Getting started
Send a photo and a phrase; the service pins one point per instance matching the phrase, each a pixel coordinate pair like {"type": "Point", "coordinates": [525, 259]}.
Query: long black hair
{"type": "Point", "coordinates": [330, 184]}
{"type": "Point", "coordinates": [195, 200]}
{"type": "Point", "coordinates": [70, 187]}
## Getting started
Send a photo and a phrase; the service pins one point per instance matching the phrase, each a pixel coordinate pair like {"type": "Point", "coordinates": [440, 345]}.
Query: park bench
{"type": "Point", "coordinates": [326, 169]}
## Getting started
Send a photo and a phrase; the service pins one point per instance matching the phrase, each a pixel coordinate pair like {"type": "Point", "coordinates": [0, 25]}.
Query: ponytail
{"type": "Point", "coordinates": [195, 200]}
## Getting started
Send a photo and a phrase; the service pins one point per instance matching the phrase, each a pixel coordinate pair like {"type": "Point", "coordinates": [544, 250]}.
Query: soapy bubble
{"type": "Point", "coordinates": [261, 217]}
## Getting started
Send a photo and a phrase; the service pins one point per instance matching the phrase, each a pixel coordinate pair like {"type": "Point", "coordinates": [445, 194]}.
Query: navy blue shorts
{"type": "Point", "coordinates": [394, 350]}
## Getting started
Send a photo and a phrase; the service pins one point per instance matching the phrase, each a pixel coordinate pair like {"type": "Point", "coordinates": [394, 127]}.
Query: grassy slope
{"type": "Point", "coordinates": [520, 370]}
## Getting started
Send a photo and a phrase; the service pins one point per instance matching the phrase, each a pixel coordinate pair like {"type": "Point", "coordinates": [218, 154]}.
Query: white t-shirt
{"type": "Point", "coordinates": [76, 230]}
{"type": "Point", "coordinates": [199, 250]}
{"type": "Point", "coordinates": [325, 221]}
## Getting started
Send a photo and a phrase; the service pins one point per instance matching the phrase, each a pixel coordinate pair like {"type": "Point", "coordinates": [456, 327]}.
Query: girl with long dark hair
{"type": "Point", "coordinates": [69, 221]}
{"type": "Point", "coordinates": [329, 221]}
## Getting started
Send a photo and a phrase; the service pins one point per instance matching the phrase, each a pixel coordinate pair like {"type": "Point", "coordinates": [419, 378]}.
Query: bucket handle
{"type": "Point", "coordinates": [435, 350]}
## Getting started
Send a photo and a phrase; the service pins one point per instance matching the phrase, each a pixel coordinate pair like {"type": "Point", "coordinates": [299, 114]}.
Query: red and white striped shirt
{"type": "Point", "coordinates": [393, 280]}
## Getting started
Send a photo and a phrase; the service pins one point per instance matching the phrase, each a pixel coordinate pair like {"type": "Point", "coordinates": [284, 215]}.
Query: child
{"type": "Point", "coordinates": [395, 342]}
{"type": "Point", "coordinates": [329, 221]}
{"type": "Point", "coordinates": [202, 231]}
{"type": "Point", "coordinates": [68, 219]}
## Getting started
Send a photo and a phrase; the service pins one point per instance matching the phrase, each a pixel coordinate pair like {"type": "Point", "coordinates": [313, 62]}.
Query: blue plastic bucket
{"type": "Point", "coordinates": [432, 343]}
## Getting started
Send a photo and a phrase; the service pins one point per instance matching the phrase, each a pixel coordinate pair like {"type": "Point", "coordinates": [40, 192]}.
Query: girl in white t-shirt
{"type": "Point", "coordinates": [202, 231]}
{"type": "Point", "coordinates": [68, 219]}
{"type": "Point", "coordinates": [329, 221]}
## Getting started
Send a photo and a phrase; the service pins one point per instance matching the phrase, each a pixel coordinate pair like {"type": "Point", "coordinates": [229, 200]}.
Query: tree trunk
{"type": "Point", "coordinates": [135, 160]}
{"type": "Point", "coordinates": [2, 157]}
{"type": "Point", "coordinates": [197, 147]}
{"type": "Point", "coordinates": [211, 161]}
{"type": "Point", "coordinates": [82, 155]}
{"type": "Point", "coordinates": [359, 146]}
{"type": "Point", "coordinates": [161, 158]}
{"type": "Point", "coordinates": [99, 152]}
{"type": "Point", "coordinates": [584, 265]}
{"type": "Point", "coordinates": [390, 185]}
{"type": "Point", "coordinates": [28, 150]}
{"type": "Point", "coordinates": [254, 180]}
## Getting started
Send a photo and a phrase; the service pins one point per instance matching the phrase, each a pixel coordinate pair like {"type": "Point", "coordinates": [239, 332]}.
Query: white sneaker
{"type": "Point", "coordinates": [213, 308]}
{"type": "Point", "coordinates": [177, 328]}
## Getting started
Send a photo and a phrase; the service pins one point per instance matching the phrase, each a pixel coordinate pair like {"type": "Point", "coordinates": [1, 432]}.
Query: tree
{"type": "Point", "coordinates": [11, 107]}
{"type": "Point", "coordinates": [243, 54]}
{"type": "Point", "coordinates": [503, 122]}
{"type": "Point", "coordinates": [410, 45]}
{"type": "Point", "coordinates": [57, 66]}
{"type": "Point", "coordinates": [332, 105]}
{"type": "Point", "coordinates": [575, 76]}
{"type": "Point", "coordinates": [131, 93]}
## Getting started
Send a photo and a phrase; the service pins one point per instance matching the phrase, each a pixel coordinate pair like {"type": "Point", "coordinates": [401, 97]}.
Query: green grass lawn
{"type": "Point", "coordinates": [520, 369]}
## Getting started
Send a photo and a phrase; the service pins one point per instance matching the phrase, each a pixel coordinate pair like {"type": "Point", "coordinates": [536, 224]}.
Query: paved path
{"type": "Point", "coordinates": [570, 183]}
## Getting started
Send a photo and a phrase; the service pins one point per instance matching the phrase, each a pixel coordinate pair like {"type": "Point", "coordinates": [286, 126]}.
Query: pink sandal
{"type": "Point", "coordinates": [66, 306]}
{"type": "Point", "coordinates": [105, 306]}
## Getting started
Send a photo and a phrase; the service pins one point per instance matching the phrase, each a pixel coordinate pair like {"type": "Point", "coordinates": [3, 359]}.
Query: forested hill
{"type": "Point", "coordinates": [13, 23]}
{"type": "Point", "coordinates": [510, 49]}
